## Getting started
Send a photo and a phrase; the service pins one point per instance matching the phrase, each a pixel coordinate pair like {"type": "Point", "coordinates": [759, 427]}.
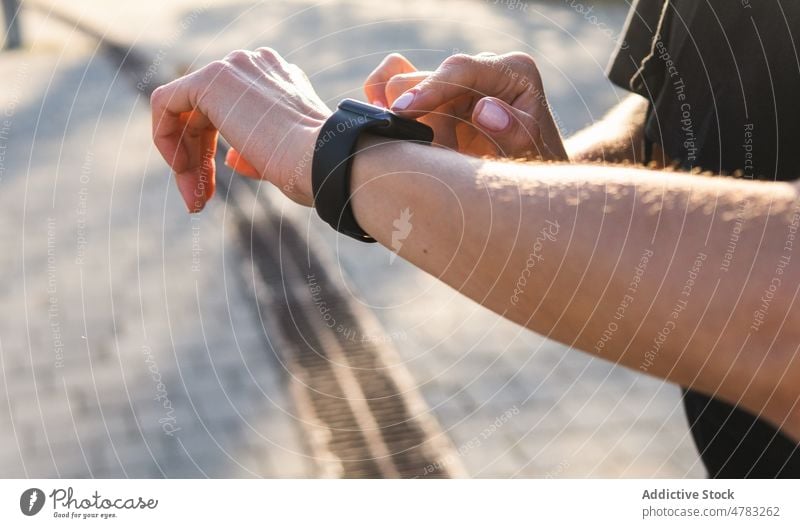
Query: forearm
{"type": "Point", "coordinates": [617, 137]}
{"type": "Point", "coordinates": [599, 258]}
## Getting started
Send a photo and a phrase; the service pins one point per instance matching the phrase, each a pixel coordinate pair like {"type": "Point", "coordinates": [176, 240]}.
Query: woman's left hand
{"type": "Point", "coordinates": [263, 106]}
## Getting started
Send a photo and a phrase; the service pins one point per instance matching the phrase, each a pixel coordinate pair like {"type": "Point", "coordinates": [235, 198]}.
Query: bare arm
{"type": "Point", "coordinates": [691, 279]}
{"type": "Point", "coordinates": [616, 138]}
{"type": "Point", "coordinates": [683, 277]}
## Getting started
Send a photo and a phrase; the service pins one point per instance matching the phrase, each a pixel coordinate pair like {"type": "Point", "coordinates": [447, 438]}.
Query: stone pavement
{"type": "Point", "coordinates": [110, 288]}
{"type": "Point", "coordinates": [127, 345]}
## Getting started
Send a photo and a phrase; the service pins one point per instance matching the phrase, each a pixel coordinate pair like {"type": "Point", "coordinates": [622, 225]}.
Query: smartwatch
{"type": "Point", "coordinates": [333, 157]}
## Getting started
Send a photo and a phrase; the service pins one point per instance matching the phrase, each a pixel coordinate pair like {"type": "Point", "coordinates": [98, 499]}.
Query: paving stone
{"type": "Point", "coordinates": [128, 298]}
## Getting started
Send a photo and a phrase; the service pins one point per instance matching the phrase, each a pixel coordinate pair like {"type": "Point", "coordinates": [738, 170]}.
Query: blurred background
{"type": "Point", "coordinates": [139, 341]}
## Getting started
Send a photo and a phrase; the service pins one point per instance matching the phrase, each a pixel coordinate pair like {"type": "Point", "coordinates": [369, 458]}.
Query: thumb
{"type": "Point", "coordinates": [515, 132]}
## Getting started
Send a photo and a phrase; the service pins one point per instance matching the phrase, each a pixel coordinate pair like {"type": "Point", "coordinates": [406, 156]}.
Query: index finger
{"type": "Point", "coordinates": [403, 82]}
{"type": "Point", "coordinates": [457, 76]}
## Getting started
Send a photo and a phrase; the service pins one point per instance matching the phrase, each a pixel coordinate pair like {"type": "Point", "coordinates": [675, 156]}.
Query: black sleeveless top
{"type": "Point", "coordinates": [723, 81]}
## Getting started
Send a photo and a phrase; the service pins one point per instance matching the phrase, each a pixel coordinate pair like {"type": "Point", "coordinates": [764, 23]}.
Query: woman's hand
{"type": "Point", "coordinates": [485, 105]}
{"type": "Point", "coordinates": [263, 106]}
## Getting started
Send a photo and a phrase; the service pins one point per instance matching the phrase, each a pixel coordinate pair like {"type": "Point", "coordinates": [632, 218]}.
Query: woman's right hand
{"type": "Point", "coordinates": [482, 105]}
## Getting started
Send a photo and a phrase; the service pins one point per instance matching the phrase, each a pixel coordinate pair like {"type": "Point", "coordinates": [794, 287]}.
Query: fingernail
{"type": "Point", "coordinates": [378, 103]}
{"type": "Point", "coordinates": [493, 116]}
{"type": "Point", "coordinates": [404, 101]}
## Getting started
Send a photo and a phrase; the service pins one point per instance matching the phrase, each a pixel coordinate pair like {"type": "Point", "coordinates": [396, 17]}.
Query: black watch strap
{"type": "Point", "coordinates": [333, 158]}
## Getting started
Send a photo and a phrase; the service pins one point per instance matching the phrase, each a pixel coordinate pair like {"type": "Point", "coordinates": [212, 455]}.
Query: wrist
{"type": "Point", "coordinates": [297, 182]}
{"type": "Point", "coordinates": [340, 142]}
{"type": "Point", "coordinates": [389, 176]}
{"type": "Point", "coordinates": [370, 149]}
{"type": "Point", "coordinates": [375, 165]}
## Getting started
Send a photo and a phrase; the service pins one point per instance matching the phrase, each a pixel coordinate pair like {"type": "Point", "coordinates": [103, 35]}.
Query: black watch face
{"type": "Point", "coordinates": [357, 107]}
{"type": "Point", "coordinates": [391, 124]}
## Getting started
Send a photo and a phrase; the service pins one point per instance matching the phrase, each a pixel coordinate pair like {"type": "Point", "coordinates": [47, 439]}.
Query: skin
{"type": "Point", "coordinates": [451, 100]}
{"type": "Point", "coordinates": [617, 138]}
{"type": "Point", "coordinates": [553, 246]}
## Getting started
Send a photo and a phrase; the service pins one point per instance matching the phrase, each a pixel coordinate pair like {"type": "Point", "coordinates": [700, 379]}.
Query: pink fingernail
{"type": "Point", "coordinates": [404, 101]}
{"type": "Point", "coordinates": [493, 116]}
{"type": "Point", "coordinates": [378, 103]}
